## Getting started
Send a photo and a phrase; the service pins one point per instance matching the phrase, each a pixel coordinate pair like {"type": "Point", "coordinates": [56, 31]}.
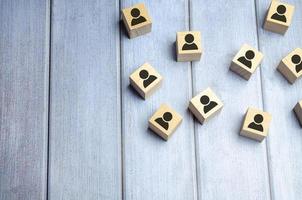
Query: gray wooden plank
{"type": "Point", "coordinates": [153, 168]}
{"type": "Point", "coordinates": [229, 166]}
{"type": "Point", "coordinates": [285, 140]}
{"type": "Point", "coordinates": [24, 56]}
{"type": "Point", "coordinates": [85, 130]}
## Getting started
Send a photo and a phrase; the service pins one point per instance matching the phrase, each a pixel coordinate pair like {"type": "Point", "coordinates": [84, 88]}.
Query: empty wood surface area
{"type": "Point", "coordinates": [71, 127]}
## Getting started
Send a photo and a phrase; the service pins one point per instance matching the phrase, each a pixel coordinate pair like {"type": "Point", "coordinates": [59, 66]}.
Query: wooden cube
{"type": "Point", "coordinates": [165, 121]}
{"type": "Point", "coordinates": [246, 61]}
{"type": "Point", "coordinates": [145, 80]}
{"type": "Point", "coordinates": [205, 105]}
{"type": "Point", "coordinates": [291, 66]}
{"type": "Point", "coordinates": [137, 20]}
{"type": "Point", "coordinates": [188, 46]}
{"type": "Point", "coordinates": [256, 124]}
{"type": "Point", "coordinates": [298, 111]}
{"type": "Point", "coordinates": [279, 17]}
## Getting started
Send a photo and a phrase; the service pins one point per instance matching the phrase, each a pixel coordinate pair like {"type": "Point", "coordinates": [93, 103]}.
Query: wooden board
{"type": "Point", "coordinates": [85, 138]}
{"type": "Point", "coordinates": [24, 56]}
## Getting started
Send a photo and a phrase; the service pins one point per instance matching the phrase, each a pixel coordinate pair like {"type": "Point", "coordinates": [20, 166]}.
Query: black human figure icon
{"type": "Point", "coordinates": [208, 105]}
{"type": "Point", "coordinates": [164, 120]}
{"type": "Point", "coordinates": [189, 45]}
{"type": "Point", "coordinates": [137, 18]}
{"type": "Point", "coordinates": [246, 59]}
{"type": "Point", "coordinates": [148, 79]}
{"type": "Point", "coordinates": [296, 59]}
{"type": "Point", "coordinates": [256, 124]}
{"type": "Point", "coordinates": [279, 15]}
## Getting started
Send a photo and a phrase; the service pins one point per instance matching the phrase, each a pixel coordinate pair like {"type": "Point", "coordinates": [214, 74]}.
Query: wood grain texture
{"type": "Point", "coordinates": [85, 138]}
{"type": "Point", "coordinates": [229, 166]}
{"type": "Point", "coordinates": [285, 139]}
{"type": "Point", "coordinates": [24, 47]}
{"type": "Point", "coordinates": [153, 168]}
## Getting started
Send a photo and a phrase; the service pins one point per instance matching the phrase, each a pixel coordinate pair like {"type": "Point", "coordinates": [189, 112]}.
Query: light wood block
{"type": "Point", "coordinates": [279, 17]}
{"type": "Point", "coordinates": [298, 111]}
{"type": "Point", "coordinates": [145, 80]}
{"type": "Point", "coordinates": [188, 46]}
{"type": "Point", "coordinates": [246, 61]}
{"type": "Point", "coordinates": [256, 124]}
{"type": "Point", "coordinates": [165, 121]}
{"type": "Point", "coordinates": [291, 66]}
{"type": "Point", "coordinates": [137, 20]}
{"type": "Point", "coordinates": [205, 105]}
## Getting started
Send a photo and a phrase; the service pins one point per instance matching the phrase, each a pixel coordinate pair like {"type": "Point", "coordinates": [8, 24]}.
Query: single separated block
{"type": "Point", "coordinates": [246, 61]}
{"type": "Point", "coordinates": [256, 124]}
{"type": "Point", "coordinates": [205, 105]}
{"type": "Point", "coordinates": [188, 46]}
{"type": "Point", "coordinates": [137, 20]}
{"type": "Point", "coordinates": [298, 111]}
{"type": "Point", "coordinates": [279, 17]}
{"type": "Point", "coordinates": [165, 121]}
{"type": "Point", "coordinates": [145, 80]}
{"type": "Point", "coordinates": [291, 66]}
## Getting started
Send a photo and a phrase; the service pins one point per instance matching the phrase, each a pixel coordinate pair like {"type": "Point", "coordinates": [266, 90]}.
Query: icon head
{"type": "Point", "coordinates": [167, 116]}
{"type": "Point", "coordinates": [258, 119]}
{"type": "Point", "coordinates": [189, 38]}
{"type": "Point", "coordinates": [296, 59]}
{"type": "Point", "coordinates": [249, 55]}
{"type": "Point", "coordinates": [143, 74]}
{"type": "Point", "coordinates": [135, 12]}
{"type": "Point", "coordinates": [204, 100]}
{"type": "Point", "coordinates": [281, 9]}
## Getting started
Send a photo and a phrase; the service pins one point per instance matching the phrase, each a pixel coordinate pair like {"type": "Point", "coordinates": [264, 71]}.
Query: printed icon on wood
{"type": "Point", "coordinates": [246, 61]}
{"type": "Point", "coordinates": [205, 105]}
{"type": "Point", "coordinates": [137, 20]}
{"type": "Point", "coordinates": [145, 80]}
{"type": "Point", "coordinates": [298, 111]}
{"type": "Point", "coordinates": [188, 46]}
{"type": "Point", "coordinates": [279, 17]}
{"type": "Point", "coordinates": [165, 121]}
{"type": "Point", "coordinates": [291, 66]}
{"type": "Point", "coordinates": [256, 124]}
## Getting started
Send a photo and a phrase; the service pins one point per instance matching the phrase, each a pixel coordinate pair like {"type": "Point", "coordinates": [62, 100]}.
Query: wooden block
{"type": "Point", "coordinates": [188, 46]}
{"type": "Point", "coordinates": [279, 17]}
{"type": "Point", "coordinates": [291, 66]}
{"type": "Point", "coordinates": [205, 105]}
{"type": "Point", "coordinates": [145, 80]}
{"type": "Point", "coordinates": [246, 61]}
{"type": "Point", "coordinates": [256, 124]}
{"type": "Point", "coordinates": [137, 20]}
{"type": "Point", "coordinates": [298, 111]}
{"type": "Point", "coordinates": [165, 121]}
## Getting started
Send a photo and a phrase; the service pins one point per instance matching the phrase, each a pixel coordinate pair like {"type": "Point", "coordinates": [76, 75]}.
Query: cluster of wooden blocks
{"type": "Point", "coordinates": [145, 80]}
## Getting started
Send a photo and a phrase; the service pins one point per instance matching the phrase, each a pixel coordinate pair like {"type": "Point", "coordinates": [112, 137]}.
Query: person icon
{"type": "Point", "coordinates": [189, 45]}
{"type": "Point", "coordinates": [296, 59]}
{"type": "Point", "coordinates": [137, 18]}
{"type": "Point", "coordinates": [246, 59]}
{"type": "Point", "coordinates": [164, 120]}
{"type": "Point", "coordinates": [256, 124]}
{"type": "Point", "coordinates": [208, 105]}
{"type": "Point", "coordinates": [148, 79]}
{"type": "Point", "coordinates": [279, 15]}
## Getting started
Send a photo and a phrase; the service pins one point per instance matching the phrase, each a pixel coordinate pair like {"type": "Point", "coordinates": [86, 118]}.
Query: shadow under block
{"type": "Point", "coordinates": [145, 80]}
{"type": "Point", "coordinates": [298, 111]}
{"type": "Point", "coordinates": [165, 121]}
{"type": "Point", "coordinates": [137, 20]}
{"type": "Point", "coordinates": [256, 124]}
{"type": "Point", "coordinates": [279, 17]}
{"type": "Point", "coordinates": [205, 105]}
{"type": "Point", "coordinates": [246, 61]}
{"type": "Point", "coordinates": [188, 46]}
{"type": "Point", "coordinates": [291, 66]}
